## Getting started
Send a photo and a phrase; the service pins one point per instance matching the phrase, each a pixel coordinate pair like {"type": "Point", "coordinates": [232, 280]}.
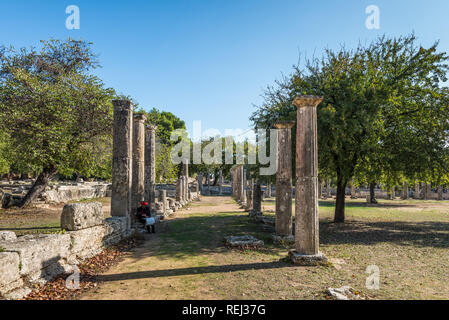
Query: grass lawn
{"type": "Point", "coordinates": [186, 259]}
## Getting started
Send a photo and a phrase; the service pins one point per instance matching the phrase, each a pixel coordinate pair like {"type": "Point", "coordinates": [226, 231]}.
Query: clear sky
{"type": "Point", "coordinates": [209, 60]}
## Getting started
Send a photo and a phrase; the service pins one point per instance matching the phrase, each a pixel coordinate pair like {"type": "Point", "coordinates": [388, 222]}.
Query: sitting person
{"type": "Point", "coordinates": [144, 216]}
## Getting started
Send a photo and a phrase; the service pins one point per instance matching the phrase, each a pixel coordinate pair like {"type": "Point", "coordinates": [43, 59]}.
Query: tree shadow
{"type": "Point", "coordinates": [192, 271]}
{"type": "Point", "coordinates": [419, 234]}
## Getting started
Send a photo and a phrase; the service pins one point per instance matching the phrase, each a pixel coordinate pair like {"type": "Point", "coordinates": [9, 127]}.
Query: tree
{"type": "Point", "coordinates": [382, 105]}
{"type": "Point", "coordinates": [52, 107]}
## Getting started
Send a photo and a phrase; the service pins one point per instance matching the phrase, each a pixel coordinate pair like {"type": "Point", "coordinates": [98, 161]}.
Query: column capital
{"type": "Point", "coordinates": [123, 104]}
{"type": "Point", "coordinates": [140, 117]}
{"type": "Point", "coordinates": [151, 127]}
{"type": "Point", "coordinates": [284, 124]}
{"type": "Point", "coordinates": [307, 101]}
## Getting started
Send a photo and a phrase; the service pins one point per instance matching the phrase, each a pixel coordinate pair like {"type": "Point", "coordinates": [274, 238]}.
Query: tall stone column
{"type": "Point", "coordinates": [306, 209]}
{"type": "Point", "coordinates": [122, 159]}
{"type": "Point", "coordinates": [328, 188]}
{"type": "Point", "coordinates": [284, 179]}
{"type": "Point", "coordinates": [138, 180]}
{"type": "Point", "coordinates": [150, 163]}
{"type": "Point", "coordinates": [163, 200]}
{"type": "Point", "coordinates": [257, 200]}
{"type": "Point", "coordinates": [220, 183]}
{"type": "Point", "coordinates": [185, 171]}
{"type": "Point", "coordinates": [243, 186]}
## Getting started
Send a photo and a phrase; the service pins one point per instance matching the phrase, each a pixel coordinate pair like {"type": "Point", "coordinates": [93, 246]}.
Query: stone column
{"type": "Point", "coordinates": [122, 159]}
{"type": "Point", "coordinates": [208, 183]}
{"type": "Point", "coordinates": [284, 179]}
{"type": "Point", "coordinates": [150, 163]}
{"type": "Point", "coordinates": [416, 193]}
{"type": "Point", "coordinates": [179, 190]}
{"type": "Point", "coordinates": [353, 195]}
{"type": "Point", "coordinates": [220, 183]}
{"type": "Point", "coordinates": [138, 182]}
{"type": "Point", "coordinates": [185, 171]}
{"type": "Point", "coordinates": [200, 182]}
{"type": "Point", "coordinates": [243, 186]}
{"type": "Point", "coordinates": [257, 200]}
{"type": "Point", "coordinates": [328, 188]}
{"type": "Point", "coordinates": [306, 209]}
{"type": "Point", "coordinates": [405, 191]}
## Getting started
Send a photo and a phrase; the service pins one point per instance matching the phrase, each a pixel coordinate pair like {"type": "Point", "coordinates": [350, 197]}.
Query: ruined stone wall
{"type": "Point", "coordinates": [36, 259]}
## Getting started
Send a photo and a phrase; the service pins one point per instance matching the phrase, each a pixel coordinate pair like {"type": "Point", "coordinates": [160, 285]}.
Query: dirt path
{"type": "Point", "coordinates": [168, 265]}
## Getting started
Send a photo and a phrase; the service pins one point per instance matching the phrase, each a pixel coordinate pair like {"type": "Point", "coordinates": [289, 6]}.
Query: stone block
{"type": "Point", "coordinates": [7, 236]}
{"type": "Point", "coordinates": [87, 243]}
{"type": "Point", "coordinates": [9, 272]}
{"type": "Point", "coordinates": [78, 216]}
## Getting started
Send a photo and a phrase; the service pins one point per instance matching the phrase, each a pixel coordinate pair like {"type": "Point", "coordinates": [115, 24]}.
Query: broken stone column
{"type": "Point", "coordinates": [284, 179]}
{"type": "Point", "coordinates": [353, 194]}
{"type": "Point", "coordinates": [405, 191]}
{"type": "Point", "coordinates": [122, 159]}
{"type": "Point", "coordinates": [208, 183]}
{"type": "Point", "coordinates": [243, 186]}
{"type": "Point", "coordinates": [179, 190]}
{"type": "Point", "coordinates": [220, 182]}
{"type": "Point", "coordinates": [306, 208]}
{"type": "Point", "coordinates": [150, 163]}
{"type": "Point", "coordinates": [328, 188]}
{"type": "Point", "coordinates": [416, 193]}
{"type": "Point", "coordinates": [257, 200]}
{"type": "Point", "coordinates": [269, 190]}
{"type": "Point", "coordinates": [138, 180]}
{"type": "Point", "coordinates": [440, 192]}
{"type": "Point", "coordinates": [200, 182]}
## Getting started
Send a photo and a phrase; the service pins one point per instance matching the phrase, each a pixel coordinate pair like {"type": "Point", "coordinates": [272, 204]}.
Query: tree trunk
{"type": "Point", "coordinates": [372, 193]}
{"type": "Point", "coordinates": [340, 202]}
{"type": "Point", "coordinates": [39, 186]}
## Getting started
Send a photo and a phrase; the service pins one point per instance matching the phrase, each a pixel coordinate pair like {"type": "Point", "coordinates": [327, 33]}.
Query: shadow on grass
{"type": "Point", "coordinates": [193, 271]}
{"type": "Point", "coordinates": [419, 234]}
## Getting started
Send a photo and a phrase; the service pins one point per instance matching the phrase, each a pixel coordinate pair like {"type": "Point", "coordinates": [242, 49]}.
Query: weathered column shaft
{"type": "Point", "coordinates": [243, 185]}
{"type": "Point", "coordinates": [179, 190]}
{"type": "Point", "coordinates": [257, 199]}
{"type": "Point", "coordinates": [284, 179]}
{"type": "Point", "coordinates": [306, 209]}
{"type": "Point", "coordinates": [220, 183]}
{"type": "Point", "coordinates": [405, 191]}
{"type": "Point", "coordinates": [150, 162]}
{"type": "Point", "coordinates": [138, 182]}
{"type": "Point", "coordinates": [122, 159]}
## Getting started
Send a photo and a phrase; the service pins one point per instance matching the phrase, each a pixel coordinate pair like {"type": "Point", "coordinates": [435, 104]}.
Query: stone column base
{"type": "Point", "coordinates": [283, 239]}
{"type": "Point", "coordinates": [307, 260]}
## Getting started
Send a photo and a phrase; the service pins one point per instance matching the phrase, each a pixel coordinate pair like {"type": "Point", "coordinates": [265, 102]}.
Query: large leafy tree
{"type": "Point", "coordinates": [52, 107]}
{"type": "Point", "coordinates": [383, 106]}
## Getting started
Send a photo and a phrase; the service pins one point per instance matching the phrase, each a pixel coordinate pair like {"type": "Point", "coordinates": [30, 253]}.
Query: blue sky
{"type": "Point", "coordinates": [210, 60]}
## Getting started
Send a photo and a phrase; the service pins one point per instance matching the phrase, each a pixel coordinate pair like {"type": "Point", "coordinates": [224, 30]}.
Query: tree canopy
{"type": "Point", "coordinates": [384, 105]}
